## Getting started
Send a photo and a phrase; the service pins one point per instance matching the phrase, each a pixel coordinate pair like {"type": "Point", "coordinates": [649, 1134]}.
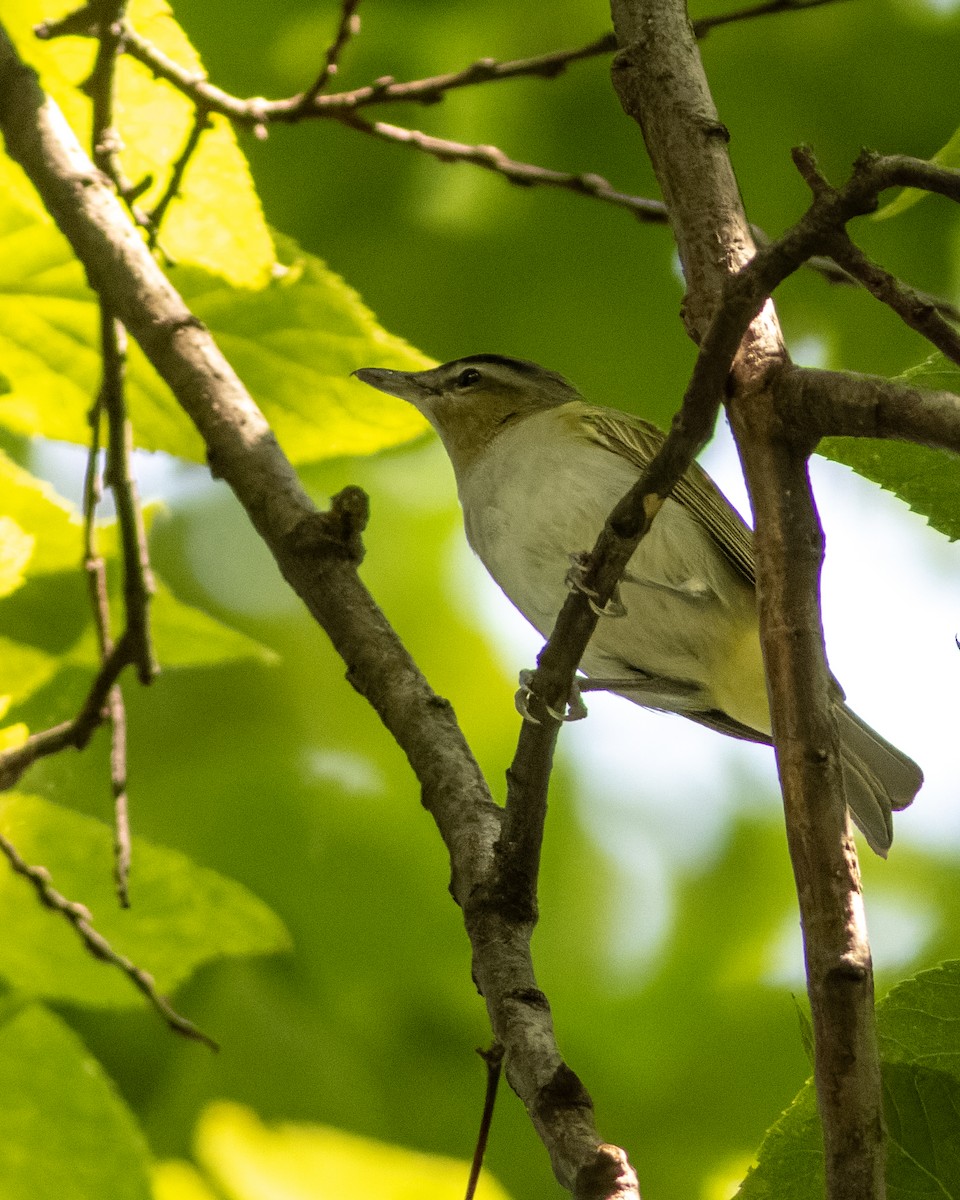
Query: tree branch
{"type": "Point", "coordinates": [75, 733]}
{"type": "Point", "coordinates": [834, 404]}
{"type": "Point", "coordinates": [661, 83]}
{"type": "Point", "coordinates": [318, 555]}
{"type": "Point", "coordinates": [347, 29]}
{"type": "Point", "coordinates": [521, 173]}
{"type": "Point", "coordinates": [79, 916]}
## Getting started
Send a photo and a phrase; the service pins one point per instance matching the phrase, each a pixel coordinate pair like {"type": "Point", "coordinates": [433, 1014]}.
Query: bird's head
{"type": "Point", "coordinates": [471, 400]}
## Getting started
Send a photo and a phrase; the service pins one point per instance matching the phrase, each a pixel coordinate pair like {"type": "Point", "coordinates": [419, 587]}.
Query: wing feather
{"type": "Point", "coordinates": [637, 440]}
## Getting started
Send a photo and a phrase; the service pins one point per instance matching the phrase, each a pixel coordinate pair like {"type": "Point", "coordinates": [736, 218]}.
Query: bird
{"type": "Point", "coordinates": [538, 471]}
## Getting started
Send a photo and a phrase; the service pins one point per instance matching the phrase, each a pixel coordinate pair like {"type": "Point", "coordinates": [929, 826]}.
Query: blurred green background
{"type": "Point", "coordinates": [669, 951]}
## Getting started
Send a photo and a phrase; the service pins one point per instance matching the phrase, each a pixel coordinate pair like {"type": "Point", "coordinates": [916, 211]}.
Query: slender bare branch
{"type": "Point", "coordinates": [911, 307]}
{"type": "Point", "coordinates": [386, 90]}
{"type": "Point", "coordinates": [75, 733]}
{"type": "Point", "coordinates": [111, 406]}
{"type": "Point", "coordinates": [772, 8]}
{"type": "Point", "coordinates": [201, 122]}
{"type": "Point", "coordinates": [493, 1061]}
{"type": "Point", "coordinates": [96, 571]}
{"type": "Point", "coordinates": [80, 918]}
{"type": "Point", "coordinates": [318, 555]}
{"type": "Point", "coordinates": [107, 142]}
{"type": "Point", "coordinates": [347, 29]}
{"type": "Point", "coordinates": [521, 173]}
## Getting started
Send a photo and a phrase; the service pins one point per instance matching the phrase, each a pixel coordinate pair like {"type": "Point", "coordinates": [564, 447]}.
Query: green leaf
{"type": "Point", "coordinates": [40, 514]}
{"type": "Point", "coordinates": [251, 1161]}
{"type": "Point", "coordinates": [946, 156]}
{"type": "Point", "coordinates": [67, 1135]}
{"type": "Point", "coordinates": [927, 480]}
{"type": "Point", "coordinates": [294, 329]}
{"type": "Point", "coordinates": [153, 121]}
{"type": "Point", "coordinates": [183, 636]}
{"type": "Point", "coordinates": [919, 1020]}
{"type": "Point", "coordinates": [177, 1180]}
{"type": "Point", "coordinates": [16, 550]}
{"type": "Point", "coordinates": [294, 342]}
{"type": "Point", "coordinates": [918, 1025]}
{"type": "Point", "coordinates": [182, 914]}
{"type": "Point", "coordinates": [23, 669]}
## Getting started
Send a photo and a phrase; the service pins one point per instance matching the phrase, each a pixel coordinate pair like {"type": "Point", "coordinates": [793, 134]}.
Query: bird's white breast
{"type": "Point", "coordinates": [541, 492]}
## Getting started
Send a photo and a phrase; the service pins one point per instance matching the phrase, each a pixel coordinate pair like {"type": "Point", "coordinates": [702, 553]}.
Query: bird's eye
{"type": "Point", "coordinates": [468, 377]}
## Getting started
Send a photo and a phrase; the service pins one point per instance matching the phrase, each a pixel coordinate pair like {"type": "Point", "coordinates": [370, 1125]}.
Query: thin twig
{"type": "Point", "coordinates": [77, 732]}
{"type": "Point", "coordinates": [703, 25]}
{"type": "Point", "coordinates": [201, 122]}
{"type": "Point", "coordinates": [96, 572]}
{"type": "Point", "coordinates": [493, 1061]}
{"type": "Point", "coordinates": [137, 576]}
{"type": "Point", "coordinates": [99, 86]}
{"type": "Point", "coordinates": [912, 307]}
{"type": "Point", "coordinates": [521, 173]}
{"type": "Point", "coordinates": [348, 28]}
{"type": "Point", "coordinates": [79, 916]}
{"type": "Point", "coordinates": [386, 90]}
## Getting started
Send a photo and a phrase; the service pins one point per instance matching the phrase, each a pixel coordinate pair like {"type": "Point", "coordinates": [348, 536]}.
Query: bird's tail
{"type": "Point", "coordinates": [877, 778]}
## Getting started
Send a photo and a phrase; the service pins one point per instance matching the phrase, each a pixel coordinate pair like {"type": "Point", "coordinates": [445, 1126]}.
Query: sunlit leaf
{"type": "Point", "coordinates": [176, 1180]}
{"type": "Point", "coordinates": [182, 914]}
{"type": "Point", "coordinates": [153, 121]}
{"type": "Point", "coordinates": [23, 669]}
{"type": "Point", "coordinates": [16, 548]}
{"type": "Point", "coordinates": [294, 342]}
{"type": "Point", "coordinates": [67, 1135]}
{"type": "Point", "coordinates": [41, 515]}
{"type": "Point", "coordinates": [252, 1161]}
{"type": "Point", "coordinates": [13, 736]}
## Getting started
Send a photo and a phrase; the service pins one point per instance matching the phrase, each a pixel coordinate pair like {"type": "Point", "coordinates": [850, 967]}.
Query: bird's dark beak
{"type": "Point", "coordinates": [407, 385]}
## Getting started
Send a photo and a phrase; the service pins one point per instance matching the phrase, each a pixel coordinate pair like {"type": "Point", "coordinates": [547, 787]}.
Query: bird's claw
{"type": "Point", "coordinates": [614, 607]}
{"type": "Point", "coordinates": [522, 697]}
{"type": "Point", "coordinates": [574, 710]}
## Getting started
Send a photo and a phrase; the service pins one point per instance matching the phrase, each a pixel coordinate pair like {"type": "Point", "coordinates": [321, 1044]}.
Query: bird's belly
{"type": "Point", "coordinates": [690, 617]}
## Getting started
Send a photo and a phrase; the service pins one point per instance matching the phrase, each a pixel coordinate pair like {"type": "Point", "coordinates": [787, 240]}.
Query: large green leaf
{"type": "Point", "coordinates": [182, 914]}
{"type": "Point", "coordinates": [294, 344]}
{"type": "Point", "coordinates": [67, 1135]}
{"type": "Point", "coordinates": [295, 330]}
{"type": "Point", "coordinates": [918, 1025]}
{"type": "Point", "coordinates": [216, 220]}
{"type": "Point", "coordinates": [294, 341]}
{"type": "Point", "coordinates": [16, 550]}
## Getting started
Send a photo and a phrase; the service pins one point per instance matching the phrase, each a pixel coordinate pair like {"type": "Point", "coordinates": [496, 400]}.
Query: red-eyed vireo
{"type": "Point", "coordinates": [538, 471]}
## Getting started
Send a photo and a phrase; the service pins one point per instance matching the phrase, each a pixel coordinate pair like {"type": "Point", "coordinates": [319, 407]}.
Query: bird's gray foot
{"type": "Point", "coordinates": [575, 709]}
{"type": "Point", "coordinates": [574, 580]}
